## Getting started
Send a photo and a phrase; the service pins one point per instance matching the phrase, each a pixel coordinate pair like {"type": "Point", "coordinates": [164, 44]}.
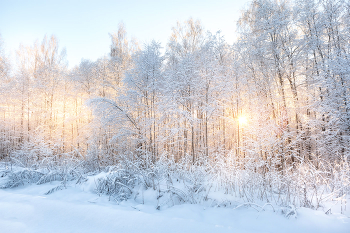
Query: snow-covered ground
{"type": "Point", "coordinates": [26, 209]}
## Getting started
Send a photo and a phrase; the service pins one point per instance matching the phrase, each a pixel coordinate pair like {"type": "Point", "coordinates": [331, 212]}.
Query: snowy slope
{"type": "Point", "coordinates": [77, 209]}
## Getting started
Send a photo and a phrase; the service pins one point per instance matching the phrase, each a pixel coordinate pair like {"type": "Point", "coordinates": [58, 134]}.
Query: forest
{"type": "Point", "coordinates": [265, 119]}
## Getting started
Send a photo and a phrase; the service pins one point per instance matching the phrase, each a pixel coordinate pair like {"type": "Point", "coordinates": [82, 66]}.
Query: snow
{"type": "Point", "coordinates": [77, 209]}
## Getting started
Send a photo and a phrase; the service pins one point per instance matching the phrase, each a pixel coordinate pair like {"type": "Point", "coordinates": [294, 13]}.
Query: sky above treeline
{"type": "Point", "coordinates": [83, 27]}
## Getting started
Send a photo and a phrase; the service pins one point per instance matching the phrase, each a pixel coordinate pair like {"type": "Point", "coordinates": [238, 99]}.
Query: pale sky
{"type": "Point", "coordinates": [83, 27]}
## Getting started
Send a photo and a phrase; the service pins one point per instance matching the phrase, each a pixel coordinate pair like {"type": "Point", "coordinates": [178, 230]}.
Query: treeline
{"type": "Point", "coordinates": [279, 94]}
{"type": "Point", "coordinates": [266, 118]}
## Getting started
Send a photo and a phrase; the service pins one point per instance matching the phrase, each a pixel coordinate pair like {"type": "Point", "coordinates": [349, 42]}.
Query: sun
{"type": "Point", "coordinates": [242, 120]}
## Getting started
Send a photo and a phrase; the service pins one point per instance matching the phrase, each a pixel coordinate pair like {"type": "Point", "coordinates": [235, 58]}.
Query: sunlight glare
{"type": "Point", "coordinates": [242, 120]}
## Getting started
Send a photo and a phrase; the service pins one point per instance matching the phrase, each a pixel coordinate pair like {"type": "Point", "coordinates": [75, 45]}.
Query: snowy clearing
{"type": "Point", "coordinates": [78, 209]}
